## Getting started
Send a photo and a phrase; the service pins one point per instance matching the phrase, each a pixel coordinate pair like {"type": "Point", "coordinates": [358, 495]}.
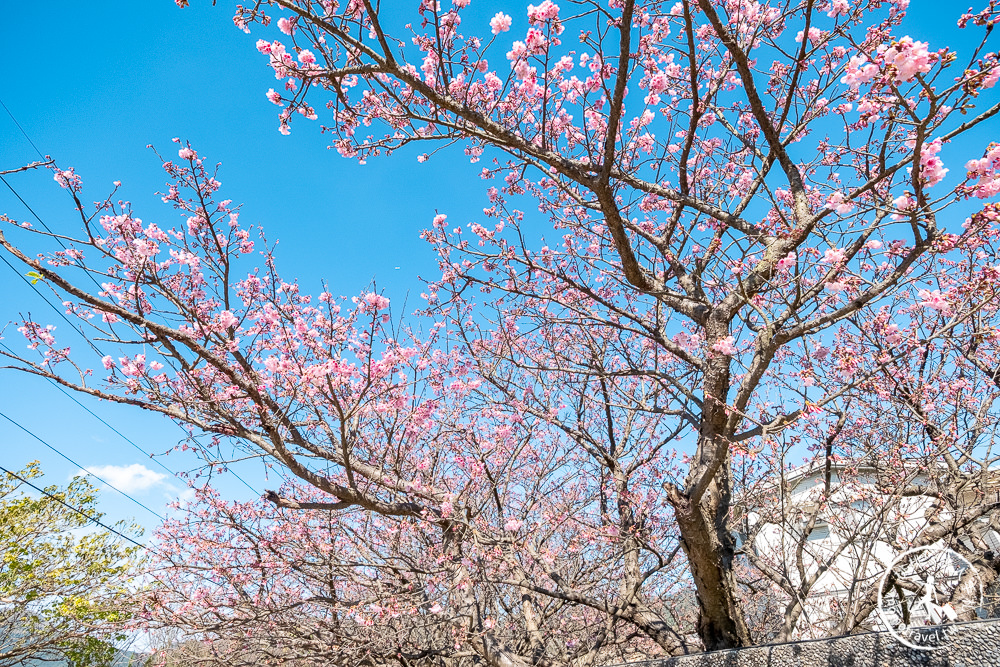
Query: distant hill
{"type": "Point", "coordinates": [123, 659]}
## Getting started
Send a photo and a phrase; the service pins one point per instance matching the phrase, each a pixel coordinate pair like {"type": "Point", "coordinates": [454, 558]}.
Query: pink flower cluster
{"type": "Point", "coordinates": [834, 256]}
{"type": "Point", "coordinates": [934, 300]}
{"type": "Point", "coordinates": [371, 301]}
{"type": "Point", "coordinates": [892, 335]}
{"type": "Point", "coordinates": [909, 58]}
{"type": "Point", "coordinates": [726, 346]}
{"type": "Point", "coordinates": [786, 263]}
{"type": "Point", "coordinates": [500, 23]}
{"type": "Point", "coordinates": [535, 41]}
{"type": "Point", "coordinates": [859, 71]}
{"type": "Point", "coordinates": [838, 7]}
{"type": "Point", "coordinates": [931, 167]}
{"type": "Point", "coordinates": [985, 171]}
{"type": "Point", "coordinates": [839, 203]}
{"type": "Point", "coordinates": [68, 179]}
{"type": "Point", "coordinates": [547, 11]}
{"type": "Point", "coordinates": [836, 286]}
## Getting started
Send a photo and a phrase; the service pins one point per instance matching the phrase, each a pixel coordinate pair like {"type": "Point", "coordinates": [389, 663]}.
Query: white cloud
{"type": "Point", "coordinates": [135, 477]}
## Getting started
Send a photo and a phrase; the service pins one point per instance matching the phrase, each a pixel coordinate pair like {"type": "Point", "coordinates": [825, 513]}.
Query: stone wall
{"type": "Point", "coordinates": [975, 644]}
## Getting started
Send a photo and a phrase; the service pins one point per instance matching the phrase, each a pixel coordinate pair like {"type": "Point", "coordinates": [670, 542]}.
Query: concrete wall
{"type": "Point", "coordinates": [975, 644]}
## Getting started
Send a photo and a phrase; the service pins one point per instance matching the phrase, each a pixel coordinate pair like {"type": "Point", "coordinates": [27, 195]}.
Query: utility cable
{"type": "Point", "coordinates": [98, 478]}
{"type": "Point", "coordinates": [58, 312]}
{"type": "Point", "coordinates": [77, 510]}
{"type": "Point", "coordinates": [100, 353]}
{"type": "Point", "coordinates": [100, 419]}
{"type": "Point", "coordinates": [95, 415]}
{"type": "Point", "coordinates": [25, 134]}
{"type": "Point", "coordinates": [67, 320]}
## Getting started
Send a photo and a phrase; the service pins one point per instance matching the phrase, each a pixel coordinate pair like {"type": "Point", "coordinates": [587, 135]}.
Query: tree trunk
{"type": "Point", "coordinates": [710, 549]}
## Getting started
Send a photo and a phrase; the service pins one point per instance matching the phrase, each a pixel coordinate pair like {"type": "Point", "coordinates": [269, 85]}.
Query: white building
{"type": "Point", "coordinates": [828, 534]}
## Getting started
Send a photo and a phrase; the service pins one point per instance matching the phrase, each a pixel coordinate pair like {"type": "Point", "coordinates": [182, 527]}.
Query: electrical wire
{"type": "Point", "coordinates": [97, 477]}
{"type": "Point", "coordinates": [77, 328]}
{"type": "Point", "coordinates": [25, 134]}
{"type": "Point", "coordinates": [100, 419]}
{"type": "Point", "coordinates": [78, 511]}
{"type": "Point", "coordinates": [99, 352]}
{"type": "Point", "coordinates": [57, 311]}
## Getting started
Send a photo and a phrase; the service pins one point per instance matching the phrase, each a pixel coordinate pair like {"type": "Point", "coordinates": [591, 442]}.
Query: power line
{"type": "Point", "coordinates": [100, 353]}
{"type": "Point", "coordinates": [78, 328]}
{"type": "Point", "coordinates": [109, 484]}
{"type": "Point", "coordinates": [58, 312]}
{"type": "Point", "coordinates": [25, 134]}
{"type": "Point", "coordinates": [91, 412]}
{"type": "Point", "coordinates": [26, 205]}
{"type": "Point", "coordinates": [77, 510]}
{"type": "Point", "coordinates": [30, 210]}
{"type": "Point", "coordinates": [100, 419]}
{"type": "Point", "coordinates": [78, 262]}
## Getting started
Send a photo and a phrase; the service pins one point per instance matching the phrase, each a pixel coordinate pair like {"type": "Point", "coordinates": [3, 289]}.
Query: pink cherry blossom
{"type": "Point", "coordinates": [991, 77]}
{"type": "Point", "coordinates": [546, 11]}
{"type": "Point", "coordinates": [932, 169]}
{"type": "Point", "coordinates": [726, 346]}
{"type": "Point", "coordinates": [500, 23]}
{"type": "Point", "coordinates": [815, 35]}
{"type": "Point", "coordinates": [903, 203]}
{"type": "Point", "coordinates": [838, 7]}
{"type": "Point", "coordinates": [787, 262]}
{"type": "Point", "coordinates": [67, 179]}
{"type": "Point", "coordinates": [535, 41]}
{"type": "Point", "coordinates": [839, 203]}
{"type": "Point", "coordinates": [892, 335]}
{"type": "Point", "coordinates": [834, 256]}
{"type": "Point", "coordinates": [835, 287]}
{"type": "Point", "coordinates": [909, 58]}
{"type": "Point", "coordinates": [859, 70]}
{"type": "Point", "coordinates": [227, 319]}
{"type": "Point", "coordinates": [934, 300]}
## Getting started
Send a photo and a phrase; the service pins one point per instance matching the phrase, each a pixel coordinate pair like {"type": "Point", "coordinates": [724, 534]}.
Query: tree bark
{"type": "Point", "coordinates": [711, 550]}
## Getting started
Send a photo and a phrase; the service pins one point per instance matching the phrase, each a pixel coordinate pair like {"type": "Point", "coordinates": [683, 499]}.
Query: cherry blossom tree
{"type": "Point", "coordinates": [744, 208]}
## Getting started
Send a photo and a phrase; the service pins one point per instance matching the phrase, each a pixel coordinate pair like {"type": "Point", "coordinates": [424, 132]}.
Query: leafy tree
{"type": "Point", "coordinates": [65, 590]}
{"type": "Point", "coordinates": [757, 251]}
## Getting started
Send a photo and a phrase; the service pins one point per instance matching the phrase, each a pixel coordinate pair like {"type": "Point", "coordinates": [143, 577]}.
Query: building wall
{"type": "Point", "coordinates": [856, 536]}
{"type": "Point", "coordinates": [975, 644]}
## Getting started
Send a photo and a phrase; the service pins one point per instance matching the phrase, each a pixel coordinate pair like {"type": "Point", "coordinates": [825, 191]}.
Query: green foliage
{"type": "Point", "coordinates": [65, 584]}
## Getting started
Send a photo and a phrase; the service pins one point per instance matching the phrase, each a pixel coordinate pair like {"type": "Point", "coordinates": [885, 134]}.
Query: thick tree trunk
{"type": "Point", "coordinates": [702, 513]}
{"type": "Point", "coordinates": [710, 549]}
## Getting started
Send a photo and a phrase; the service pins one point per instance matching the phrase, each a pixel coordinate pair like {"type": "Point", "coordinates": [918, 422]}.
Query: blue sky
{"type": "Point", "coordinates": [93, 83]}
